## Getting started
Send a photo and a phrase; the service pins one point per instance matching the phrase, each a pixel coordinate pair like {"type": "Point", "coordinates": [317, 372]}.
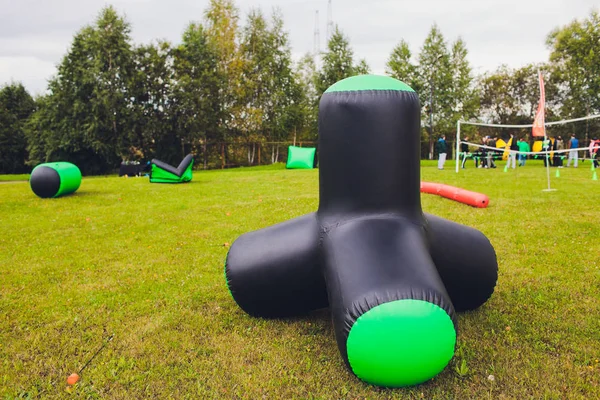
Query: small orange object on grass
{"type": "Point", "coordinates": [72, 379]}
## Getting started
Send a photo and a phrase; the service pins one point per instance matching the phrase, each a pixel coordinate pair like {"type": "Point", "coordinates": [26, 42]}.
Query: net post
{"type": "Point", "coordinates": [457, 144]}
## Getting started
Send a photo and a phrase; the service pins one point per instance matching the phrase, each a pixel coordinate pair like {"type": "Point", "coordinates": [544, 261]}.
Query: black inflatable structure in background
{"type": "Point", "coordinates": [392, 275]}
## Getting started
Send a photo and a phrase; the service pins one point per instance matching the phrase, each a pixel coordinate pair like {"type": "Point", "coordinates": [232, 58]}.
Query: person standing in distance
{"type": "Point", "coordinates": [491, 152]}
{"type": "Point", "coordinates": [594, 147]}
{"type": "Point", "coordinates": [442, 149]}
{"type": "Point", "coordinates": [464, 149]}
{"type": "Point", "coordinates": [524, 148]}
{"type": "Point", "coordinates": [558, 156]}
{"type": "Point", "coordinates": [573, 153]}
{"type": "Point", "coordinates": [483, 152]}
{"type": "Point", "coordinates": [547, 147]}
{"type": "Point", "coordinates": [512, 154]}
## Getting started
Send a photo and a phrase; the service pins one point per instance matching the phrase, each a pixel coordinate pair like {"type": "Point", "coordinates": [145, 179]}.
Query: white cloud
{"type": "Point", "coordinates": [31, 71]}
{"type": "Point", "coordinates": [40, 46]}
{"type": "Point", "coordinates": [34, 35]}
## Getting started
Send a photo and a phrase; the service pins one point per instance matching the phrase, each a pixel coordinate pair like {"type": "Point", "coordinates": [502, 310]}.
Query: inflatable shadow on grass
{"type": "Point", "coordinates": [393, 276]}
{"type": "Point", "coordinates": [162, 172]}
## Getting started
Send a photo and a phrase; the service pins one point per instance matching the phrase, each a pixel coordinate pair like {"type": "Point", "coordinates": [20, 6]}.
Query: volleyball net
{"type": "Point", "coordinates": [586, 129]}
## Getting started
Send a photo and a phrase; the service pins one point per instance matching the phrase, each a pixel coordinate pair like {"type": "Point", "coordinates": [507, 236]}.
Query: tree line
{"type": "Point", "coordinates": [230, 90]}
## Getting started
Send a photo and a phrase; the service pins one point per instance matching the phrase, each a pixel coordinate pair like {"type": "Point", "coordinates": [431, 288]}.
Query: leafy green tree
{"type": "Point", "coordinates": [40, 131]}
{"type": "Point", "coordinates": [306, 75]}
{"type": "Point", "coordinates": [88, 109]}
{"type": "Point", "coordinates": [498, 105]}
{"type": "Point", "coordinates": [435, 71]}
{"type": "Point", "coordinates": [463, 103]}
{"type": "Point", "coordinates": [362, 68]}
{"type": "Point", "coordinates": [286, 89]}
{"type": "Point", "coordinates": [257, 50]}
{"type": "Point", "coordinates": [526, 89]}
{"type": "Point", "coordinates": [575, 56]}
{"type": "Point", "coordinates": [401, 66]}
{"type": "Point", "coordinates": [463, 88]}
{"type": "Point", "coordinates": [113, 70]}
{"type": "Point", "coordinates": [197, 109]}
{"type": "Point", "coordinates": [53, 133]}
{"type": "Point", "coordinates": [443, 79]}
{"type": "Point", "coordinates": [272, 91]}
{"type": "Point", "coordinates": [152, 132]}
{"type": "Point", "coordinates": [338, 62]}
{"type": "Point", "coordinates": [511, 96]}
{"type": "Point", "coordinates": [222, 31]}
{"type": "Point", "coordinates": [16, 106]}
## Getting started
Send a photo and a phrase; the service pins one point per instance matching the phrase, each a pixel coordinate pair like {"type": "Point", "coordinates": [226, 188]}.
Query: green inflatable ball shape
{"type": "Point", "coordinates": [55, 179]}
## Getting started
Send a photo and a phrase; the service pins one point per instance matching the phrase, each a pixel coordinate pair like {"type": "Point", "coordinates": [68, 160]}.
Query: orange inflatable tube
{"type": "Point", "coordinates": [474, 199]}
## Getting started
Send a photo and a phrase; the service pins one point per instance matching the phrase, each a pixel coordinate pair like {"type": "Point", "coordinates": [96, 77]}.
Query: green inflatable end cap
{"type": "Point", "coordinates": [369, 82]}
{"type": "Point", "coordinates": [401, 343]}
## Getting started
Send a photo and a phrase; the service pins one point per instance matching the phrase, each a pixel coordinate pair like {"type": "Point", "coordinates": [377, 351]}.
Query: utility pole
{"type": "Point", "coordinates": [317, 36]}
{"type": "Point", "coordinates": [431, 84]}
{"type": "Point", "coordinates": [431, 118]}
{"type": "Point", "coordinates": [329, 21]}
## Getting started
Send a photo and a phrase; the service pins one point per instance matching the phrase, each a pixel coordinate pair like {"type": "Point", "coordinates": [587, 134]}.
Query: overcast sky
{"type": "Point", "coordinates": [36, 34]}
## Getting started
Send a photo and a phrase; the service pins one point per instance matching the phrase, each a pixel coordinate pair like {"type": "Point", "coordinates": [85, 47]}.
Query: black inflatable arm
{"type": "Point", "coordinates": [287, 279]}
{"type": "Point", "coordinates": [176, 171]}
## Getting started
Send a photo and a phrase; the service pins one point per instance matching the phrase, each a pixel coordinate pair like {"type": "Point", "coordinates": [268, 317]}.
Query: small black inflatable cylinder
{"type": "Point", "coordinates": [55, 179]}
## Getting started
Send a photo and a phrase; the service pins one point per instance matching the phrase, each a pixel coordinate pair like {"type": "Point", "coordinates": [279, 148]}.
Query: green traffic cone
{"type": "Point", "coordinates": [558, 173]}
{"type": "Point", "coordinates": [595, 176]}
{"type": "Point", "coordinates": [592, 167]}
{"type": "Point", "coordinates": [506, 168]}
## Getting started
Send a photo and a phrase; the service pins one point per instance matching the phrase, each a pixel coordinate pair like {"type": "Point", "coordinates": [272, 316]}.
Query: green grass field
{"type": "Point", "coordinates": [145, 262]}
{"type": "Point", "coordinates": [15, 177]}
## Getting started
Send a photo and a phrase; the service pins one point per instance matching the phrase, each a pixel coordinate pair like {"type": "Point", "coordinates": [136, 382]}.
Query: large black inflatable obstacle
{"type": "Point", "coordinates": [392, 276]}
{"type": "Point", "coordinates": [55, 179]}
{"type": "Point", "coordinates": [161, 172]}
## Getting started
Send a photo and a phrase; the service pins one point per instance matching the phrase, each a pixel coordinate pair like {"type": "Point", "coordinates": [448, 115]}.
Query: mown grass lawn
{"type": "Point", "coordinates": [145, 262]}
{"type": "Point", "coordinates": [14, 177]}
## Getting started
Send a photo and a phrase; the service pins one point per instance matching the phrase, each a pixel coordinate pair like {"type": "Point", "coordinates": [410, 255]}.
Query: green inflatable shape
{"type": "Point", "coordinates": [401, 343]}
{"type": "Point", "coordinates": [301, 157]}
{"type": "Point", "coordinates": [55, 179]}
{"type": "Point", "coordinates": [165, 173]}
{"type": "Point", "coordinates": [369, 82]}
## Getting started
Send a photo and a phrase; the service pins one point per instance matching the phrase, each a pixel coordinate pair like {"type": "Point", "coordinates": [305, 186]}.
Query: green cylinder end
{"type": "Point", "coordinates": [369, 82]}
{"type": "Point", "coordinates": [401, 343]}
